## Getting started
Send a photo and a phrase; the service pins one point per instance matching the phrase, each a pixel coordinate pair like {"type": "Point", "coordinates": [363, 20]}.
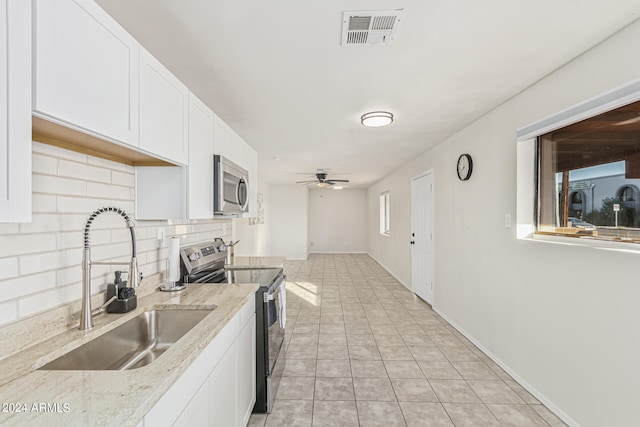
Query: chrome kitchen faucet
{"type": "Point", "coordinates": [86, 319]}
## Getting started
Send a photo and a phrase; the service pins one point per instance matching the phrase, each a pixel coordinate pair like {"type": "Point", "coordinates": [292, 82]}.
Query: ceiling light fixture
{"type": "Point", "coordinates": [337, 187]}
{"type": "Point", "coordinates": [321, 184]}
{"type": "Point", "coordinates": [376, 119]}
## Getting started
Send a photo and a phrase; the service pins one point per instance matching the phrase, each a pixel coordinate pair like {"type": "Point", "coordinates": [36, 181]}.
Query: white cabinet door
{"type": "Point", "coordinates": [200, 169]}
{"type": "Point", "coordinates": [198, 410]}
{"type": "Point", "coordinates": [224, 389]}
{"type": "Point", "coordinates": [226, 142]}
{"type": "Point", "coordinates": [164, 106]}
{"type": "Point", "coordinates": [15, 111]}
{"type": "Point", "coordinates": [247, 371]}
{"type": "Point", "coordinates": [86, 70]}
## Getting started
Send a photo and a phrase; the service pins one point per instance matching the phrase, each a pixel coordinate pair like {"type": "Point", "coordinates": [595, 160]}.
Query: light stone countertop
{"type": "Point", "coordinates": [257, 262]}
{"type": "Point", "coordinates": [110, 398]}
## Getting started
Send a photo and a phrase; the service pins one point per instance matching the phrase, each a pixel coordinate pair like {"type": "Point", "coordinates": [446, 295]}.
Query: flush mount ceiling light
{"type": "Point", "coordinates": [337, 187]}
{"type": "Point", "coordinates": [321, 184]}
{"type": "Point", "coordinates": [376, 119]}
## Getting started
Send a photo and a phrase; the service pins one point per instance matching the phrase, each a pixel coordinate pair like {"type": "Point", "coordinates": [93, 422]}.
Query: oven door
{"type": "Point", "coordinates": [275, 331]}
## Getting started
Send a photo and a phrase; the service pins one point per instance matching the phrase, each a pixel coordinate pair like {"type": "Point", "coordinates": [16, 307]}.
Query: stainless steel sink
{"type": "Point", "coordinates": [133, 344]}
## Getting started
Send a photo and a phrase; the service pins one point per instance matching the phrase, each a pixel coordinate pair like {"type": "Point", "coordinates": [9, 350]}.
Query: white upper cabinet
{"type": "Point", "coordinates": [200, 169]}
{"type": "Point", "coordinates": [164, 111]}
{"type": "Point", "coordinates": [86, 70]}
{"type": "Point", "coordinates": [15, 111]}
{"type": "Point", "coordinates": [164, 192]}
{"type": "Point", "coordinates": [250, 159]}
{"type": "Point", "coordinates": [226, 142]}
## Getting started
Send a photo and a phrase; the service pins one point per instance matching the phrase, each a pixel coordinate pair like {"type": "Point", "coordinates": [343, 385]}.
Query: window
{"type": "Point", "coordinates": [384, 213]}
{"type": "Point", "coordinates": [588, 177]}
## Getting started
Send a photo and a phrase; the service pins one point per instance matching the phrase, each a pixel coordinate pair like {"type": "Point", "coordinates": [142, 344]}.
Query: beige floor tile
{"type": "Point", "coordinates": [364, 339]}
{"type": "Point", "coordinates": [439, 370]}
{"type": "Point", "coordinates": [333, 352]}
{"type": "Point", "coordinates": [427, 354]}
{"type": "Point", "coordinates": [334, 389]}
{"type": "Point", "coordinates": [335, 414]}
{"type": "Point", "coordinates": [494, 392]}
{"type": "Point", "coordinates": [332, 339]}
{"type": "Point", "coordinates": [388, 339]}
{"type": "Point", "coordinates": [403, 369]}
{"type": "Point", "coordinates": [470, 415]}
{"type": "Point", "coordinates": [395, 352]}
{"type": "Point", "coordinates": [304, 339]}
{"type": "Point", "coordinates": [517, 416]}
{"type": "Point", "coordinates": [299, 368]}
{"type": "Point", "coordinates": [296, 388]}
{"type": "Point", "coordinates": [378, 389]}
{"type": "Point", "coordinates": [296, 413]}
{"type": "Point", "coordinates": [333, 368]}
{"type": "Point", "coordinates": [459, 354]}
{"type": "Point", "coordinates": [302, 352]}
{"type": "Point", "coordinates": [304, 329]}
{"type": "Point", "coordinates": [364, 352]}
{"type": "Point", "coordinates": [368, 369]}
{"type": "Point", "coordinates": [423, 414]}
{"type": "Point", "coordinates": [548, 416]}
{"type": "Point", "coordinates": [474, 371]}
{"type": "Point", "coordinates": [332, 328]}
{"type": "Point", "coordinates": [417, 339]}
{"type": "Point", "coordinates": [520, 391]}
{"type": "Point", "coordinates": [257, 420]}
{"type": "Point", "coordinates": [455, 391]}
{"type": "Point", "coordinates": [413, 390]}
{"type": "Point", "coordinates": [382, 414]}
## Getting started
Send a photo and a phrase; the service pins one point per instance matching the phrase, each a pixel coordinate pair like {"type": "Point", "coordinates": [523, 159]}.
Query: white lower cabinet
{"type": "Point", "coordinates": [218, 389]}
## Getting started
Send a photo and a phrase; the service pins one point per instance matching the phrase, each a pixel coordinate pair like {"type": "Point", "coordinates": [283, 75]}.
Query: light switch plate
{"type": "Point", "coordinates": [161, 236]}
{"type": "Point", "coordinates": [507, 220]}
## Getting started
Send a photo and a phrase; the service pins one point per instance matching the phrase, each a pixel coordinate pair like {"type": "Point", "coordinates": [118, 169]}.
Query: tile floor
{"type": "Point", "coordinates": [362, 350]}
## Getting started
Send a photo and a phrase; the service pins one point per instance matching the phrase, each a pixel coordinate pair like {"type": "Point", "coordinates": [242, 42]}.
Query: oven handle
{"type": "Point", "coordinates": [271, 296]}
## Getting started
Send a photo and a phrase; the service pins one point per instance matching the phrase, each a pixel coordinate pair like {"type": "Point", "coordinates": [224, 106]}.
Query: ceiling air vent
{"type": "Point", "coordinates": [360, 28]}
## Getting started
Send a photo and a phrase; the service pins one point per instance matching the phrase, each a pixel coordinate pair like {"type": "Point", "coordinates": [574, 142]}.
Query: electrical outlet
{"type": "Point", "coordinates": [507, 220]}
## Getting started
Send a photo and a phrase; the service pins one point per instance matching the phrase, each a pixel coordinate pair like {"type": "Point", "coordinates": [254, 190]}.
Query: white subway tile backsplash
{"type": "Point", "coordinates": [8, 267]}
{"type": "Point", "coordinates": [30, 264]}
{"type": "Point", "coordinates": [43, 203]}
{"type": "Point", "coordinates": [20, 244]}
{"type": "Point", "coordinates": [26, 285]}
{"type": "Point", "coordinates": [108, 191]}
{"type": "Point", "coordinates": [36, 303]}
{"type": "Point", "coordinates": [8, 312]}
{"type": "Point", "coordinates": [83, 171]}
{"type": "Point", "coordinates": [123, 178]}
{"type": "Point", "coordinates": [41, 261]}
{"type": "Point", "coordinates": [44, 164]}
{"type": "Point", "coordinates": [55, 185]}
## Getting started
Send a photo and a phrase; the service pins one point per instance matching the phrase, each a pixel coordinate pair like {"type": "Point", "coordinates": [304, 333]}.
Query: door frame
{"type": "Point", "coordinates": [428, 172]}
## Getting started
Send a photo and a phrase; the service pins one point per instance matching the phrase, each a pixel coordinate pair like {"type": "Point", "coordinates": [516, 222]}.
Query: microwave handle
{"type": "Point", "coordinates": [246, 201]}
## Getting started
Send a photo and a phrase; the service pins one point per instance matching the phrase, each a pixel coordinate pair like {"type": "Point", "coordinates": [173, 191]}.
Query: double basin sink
{"type": "Point", "coordinates": [134, 344]}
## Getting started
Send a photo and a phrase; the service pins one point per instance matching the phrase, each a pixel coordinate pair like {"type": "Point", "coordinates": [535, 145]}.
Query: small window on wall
{"type": "Point", "coordinates": [384, 213]}
{"type": "Point", "coordinates": [589, 177]}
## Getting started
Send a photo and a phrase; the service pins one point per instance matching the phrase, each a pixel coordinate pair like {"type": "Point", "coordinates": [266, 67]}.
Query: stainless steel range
{"type": "Point", "coordinates": [204, 263]}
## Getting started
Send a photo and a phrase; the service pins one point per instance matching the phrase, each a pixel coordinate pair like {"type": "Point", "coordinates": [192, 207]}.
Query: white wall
{"type": "Point", "coordinates": [564, 319]}
{"type": "Point", "coordinates": [288, 220]}
{"type": "Point", "coordinates": [41, 261]}
{"type": "Point", "coordinates": [255, 239]}
{"type": "Point", "coordinates": [337, 220]}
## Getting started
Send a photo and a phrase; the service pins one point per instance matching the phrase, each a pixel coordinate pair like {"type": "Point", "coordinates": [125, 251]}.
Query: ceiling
{"type": "Point", "coordinates": [276, 72]}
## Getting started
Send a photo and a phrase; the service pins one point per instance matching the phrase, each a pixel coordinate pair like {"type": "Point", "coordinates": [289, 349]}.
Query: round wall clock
{"type": "Point", "coordinates": [464, 167]}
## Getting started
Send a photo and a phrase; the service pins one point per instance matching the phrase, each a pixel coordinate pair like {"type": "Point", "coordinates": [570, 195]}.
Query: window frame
{"type": "Point", "coordinates": [528, 165]}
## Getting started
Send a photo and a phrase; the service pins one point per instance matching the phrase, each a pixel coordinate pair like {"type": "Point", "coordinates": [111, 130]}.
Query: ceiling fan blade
{"type": "Point", "coordinates": [339, 180]}
{"type": "Point", "coordinates": [306, 182]}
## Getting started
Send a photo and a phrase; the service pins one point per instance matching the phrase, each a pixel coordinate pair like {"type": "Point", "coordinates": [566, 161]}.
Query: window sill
{"type": "Point", "coordinates": [585, 241]}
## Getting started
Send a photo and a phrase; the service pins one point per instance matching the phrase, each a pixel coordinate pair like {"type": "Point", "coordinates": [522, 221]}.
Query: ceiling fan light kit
{"type": "Point", "coordinates": [376, 119]}
{"type": "Point", "coordinates": [322, 181]}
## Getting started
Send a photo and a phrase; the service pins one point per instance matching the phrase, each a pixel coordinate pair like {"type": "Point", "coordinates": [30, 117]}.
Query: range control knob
{"type": "Point", "coordinates": [193, 257]}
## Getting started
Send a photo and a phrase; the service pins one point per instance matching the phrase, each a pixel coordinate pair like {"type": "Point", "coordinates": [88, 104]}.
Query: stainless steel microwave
{"type": "Point", "coordinates": [230, 187]}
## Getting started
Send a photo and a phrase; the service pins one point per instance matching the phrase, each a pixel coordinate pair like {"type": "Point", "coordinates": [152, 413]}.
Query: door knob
{"type": "Point", "coordinates": [413, 242]}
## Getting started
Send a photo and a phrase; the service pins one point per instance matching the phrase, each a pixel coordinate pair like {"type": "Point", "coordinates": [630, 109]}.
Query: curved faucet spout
{"type": "Point", "coordinates": [86, 320]}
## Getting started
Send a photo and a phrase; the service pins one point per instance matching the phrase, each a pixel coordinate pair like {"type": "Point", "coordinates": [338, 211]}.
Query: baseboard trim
{"type": "Point", "coordinates": [336, 252]}
{"type": "Point", "coordinates": [546, 402]}
{"type": "Point", "coordinates": [389, 271]}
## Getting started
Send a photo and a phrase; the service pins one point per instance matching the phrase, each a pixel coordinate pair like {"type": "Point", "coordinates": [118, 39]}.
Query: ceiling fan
{"type": "Point", "coordinates": [322, 180]}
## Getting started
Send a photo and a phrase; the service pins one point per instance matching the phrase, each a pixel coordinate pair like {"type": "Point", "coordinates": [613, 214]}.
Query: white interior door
{"type": "Point", "coordinates": [422, 252]}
